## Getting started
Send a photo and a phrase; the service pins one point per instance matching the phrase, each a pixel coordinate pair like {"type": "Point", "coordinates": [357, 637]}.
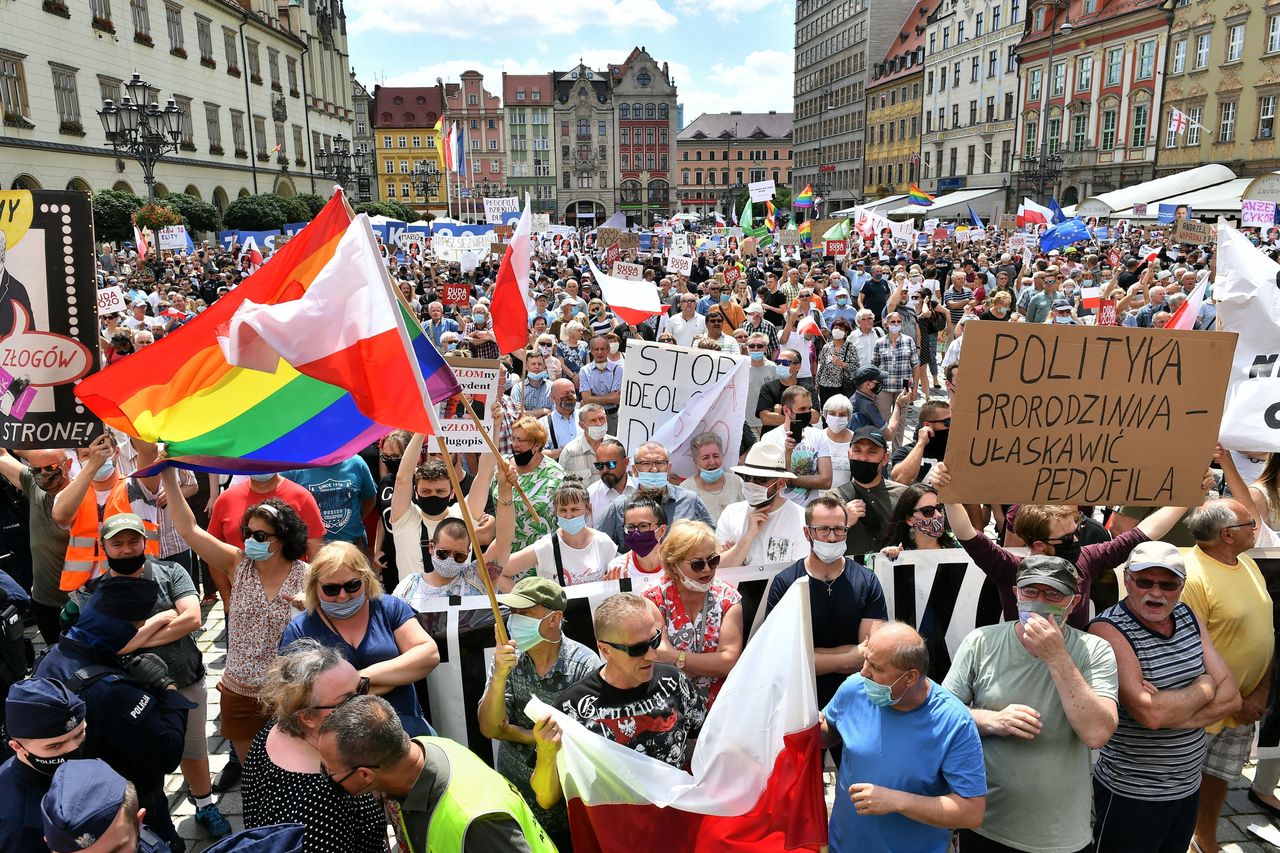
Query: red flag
{"type": "Point", "coordinates": [510, 304]}
{"type": "Point", "coordinates": [1189, 310]}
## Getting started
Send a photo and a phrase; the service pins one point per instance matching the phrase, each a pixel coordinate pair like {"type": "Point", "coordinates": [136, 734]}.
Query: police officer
{"type": "Point", "coordinates": [281, 838]}
{"type": "Point", "coordinates": [137, 721]}
{"type": "Point", "coordinates": [45, 724]}
{"type": "Point", "coordinates": [91, 808]}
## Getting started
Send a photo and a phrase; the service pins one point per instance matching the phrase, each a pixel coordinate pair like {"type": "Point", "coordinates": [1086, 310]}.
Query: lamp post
{"type": "Point", "coordinates": [139, 128]}
{"type": "Point", "coordinates": [426, 180]}
{"type": "Point", "coordinates": [1049, 164]}
{"type": "Point", "coordinates": [824, 98]}
{"type": "Point", "coordinates": [341, 164]}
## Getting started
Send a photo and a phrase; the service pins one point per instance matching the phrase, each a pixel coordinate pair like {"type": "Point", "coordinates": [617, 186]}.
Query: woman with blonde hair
{"type": "Point", "coordinates": [573, 351]}
{"type": "Point", "coordinates": [379, 634]}
{"type": "Point", "coordinates": [283, 779]}
{"type": "Point", "coordinates": [700, 616]}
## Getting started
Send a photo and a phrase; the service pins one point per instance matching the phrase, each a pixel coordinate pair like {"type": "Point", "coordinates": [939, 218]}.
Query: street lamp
{"type": "Point", "coordinates": [1047, 169]}
{"type": "Point", "coordinates": [425, 179]}
{"type": "Point", "coordinates": [139, 128]}
{"type": "Point", "coordinates": [820, 183]}
{"type": "Point", "coordinates": [341, 164]}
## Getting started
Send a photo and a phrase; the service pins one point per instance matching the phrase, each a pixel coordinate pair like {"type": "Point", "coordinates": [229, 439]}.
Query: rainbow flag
{"type": "Point", "coordinates": [216, 417]}
{"type": "Point", "coordinates": [768, 216]}
{"type": "Point", "coordinates": [805, 198]}
{"type": "Point", "coordinates": [915, 195]}
{"type": "Point", "coordinates": [806, 232]}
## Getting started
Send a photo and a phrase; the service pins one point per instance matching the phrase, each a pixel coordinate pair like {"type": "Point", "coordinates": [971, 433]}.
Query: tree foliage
{"type": "Point", "coordinates": [315, 203]}
{"type": "Point", "coordinates": [295, 209]}
{"type": "Point", "coordinates": [113, 215]}
{"type": "Point", "coordinates": [262, 212]}
{"type": "Point", "coordinates": [199, 216]}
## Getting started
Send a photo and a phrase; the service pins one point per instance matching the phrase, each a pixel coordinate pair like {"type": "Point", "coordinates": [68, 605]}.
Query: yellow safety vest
{"type": "Point", "coordinates": [476, 790]}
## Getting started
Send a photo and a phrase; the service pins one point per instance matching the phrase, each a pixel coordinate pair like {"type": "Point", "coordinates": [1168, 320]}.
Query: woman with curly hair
{"type": "Point", "coordinates": [917, 523]}
{"type": "Point", "coordinates": [265, 578]}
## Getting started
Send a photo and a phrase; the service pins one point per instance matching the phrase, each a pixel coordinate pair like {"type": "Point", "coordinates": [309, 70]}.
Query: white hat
{"type": "Point", "coordinates": [765, 460]}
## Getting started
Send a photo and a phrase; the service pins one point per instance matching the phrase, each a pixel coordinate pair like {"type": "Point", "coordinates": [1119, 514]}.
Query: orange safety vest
{"type": "Point", "coordinates": [85, 557]}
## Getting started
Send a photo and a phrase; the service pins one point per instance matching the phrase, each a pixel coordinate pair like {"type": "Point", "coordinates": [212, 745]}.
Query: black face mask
{"type": "Point", "coordinates": [863, 471]}
{"type": "Point", "coordinates": [47, 766]}
{"type": "Point", "coordinates": [127, 565]}
{"type": "Point", "coordinates": [49, 481]}
{"type": "Point", "coordinates": [523, 457]}
{"type": "Point", "coordinates": [1070, 553]}
{"type": "Point", "coordinates": [432, 505]}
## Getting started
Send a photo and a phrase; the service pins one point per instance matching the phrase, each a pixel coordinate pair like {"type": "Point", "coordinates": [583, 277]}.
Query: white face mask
{"type": "Point", "coordinates": [895, 327]}
{"type": "Point", "coordinates": [837, 423]}
{"type": "Point", "coordinates": [755, 494]}
{"type": "Point", "coordinates": [597, 432]}
{"type": "Point", "coordinates": [837, 334]}
{"type": "Point", "coordinates": [828, 552]}
{"type": "Point", "coordinates": [693, 585]}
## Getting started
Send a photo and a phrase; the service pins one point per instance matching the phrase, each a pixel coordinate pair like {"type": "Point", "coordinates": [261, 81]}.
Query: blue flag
{"type": "Point", "coordinates": [1063, 234]}
{"type": "Point", "coordinates": [1058, 215]}
{"type": "Point", "coordinates": [973, 218]}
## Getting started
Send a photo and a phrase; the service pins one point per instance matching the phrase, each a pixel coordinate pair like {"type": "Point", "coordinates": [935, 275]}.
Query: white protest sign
{"type": "Point", "coordinates": [761, 190]}
{"type": "Point", "coordinates": [679, 244]}
{"type": "Point", "coordinates": [930, 224]}
{"type": "Point", "coordinates": [451, 247]}
{"type": "Point", "coordinates": [540, 222]}
{"type": "Point", "coordinates": [479, 380]}
{"type": "Point", "coordinates": [495, 207]}
{"type": "Point", "coordinates": [110, 301]}
{"type": "Point", "coordinates": [1249, 305]}
{"type": "Point", "coordinates": [172, 237]}
{"type": "Point", "coordinates": [683, 266]}
{"type": "Point", "coordinates": [671, 394]}
{"type": "Point", "coordinates": [405, 239]}
{"type": "Point", "coordinates": [627, 270]}
{"type": "Point", "coordinates": [1257, 214]}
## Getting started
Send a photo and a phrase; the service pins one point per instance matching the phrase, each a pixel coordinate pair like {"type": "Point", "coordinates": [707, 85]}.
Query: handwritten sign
{"type": "Point", "coordinates": [495, 208]}
{"type": "Point", "coordinates": [405, 239]}
{"type": "Point", "coordinates": [607, 236]}
{"type": "Point", "coordinates": [540, 222]}
{"type": "Point", "coordinates": [789, 237]}
{"type": "Point", "coordinates": [110, 301]}
{"type": "Point", "coordinates": [628, 241]}
{"type": "Point", "coordinates": [1257, 214]}
{"type": "Point", "coordinates": [761, 190]}
{"type": "Point", "coordinates": [1193, 231]}
{"type": "Point", "coordinates": [456, 294]}
{"type": "Point", "coordinates": [1085, 415]}
{"type": "Point", "coordinates": [479, 380]}
{"type": "Point", "coordinates": [682, 266]}
{"type": "Point", "coordinates": [172, 237]}
{"type": "Point", "coordinates": [627, 270]}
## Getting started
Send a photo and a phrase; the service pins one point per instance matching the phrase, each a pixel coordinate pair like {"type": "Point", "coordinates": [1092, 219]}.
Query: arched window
{"type": "Point", "coordinates": [624, 111]}
{"type": "Point", "coordinates": [650, 110]}
{"type": "Point", "coordinates": [658, 192]}
{"type": "Point", "coordinates": [663, 111]}
{"type": "Point", "coordinates": [630, 192]}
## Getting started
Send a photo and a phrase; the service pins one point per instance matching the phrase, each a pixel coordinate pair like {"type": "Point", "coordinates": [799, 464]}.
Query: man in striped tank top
{"type": "Point", "coordinates": [1173, 682]}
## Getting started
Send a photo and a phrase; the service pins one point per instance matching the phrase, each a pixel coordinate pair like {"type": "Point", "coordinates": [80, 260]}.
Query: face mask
{"type": "Point", "coordinates": [999, 312]}
{"type": "Point", "coordinates": [595, 433]}
{"type": "Point", "coordinates": [108, 468]}
{"type": "Point", "coordinates": [837, 423]}
{"type": "Point", "coordinates": [47, 766]}
{"type": "Point", "coordinates": [757, 356]}
{"type": "Point", "coordinates": [642, 542]}
{"type": "Point", "coordinates": [342, 609]}
{"type": "Point", "coordinates": [712, 476]}
{"type": "Point", "coordinates": [840, 300]}
{"type": "Point", "coordinates": [525, 631]}
{"type": "Point", "coordinates": [934, 526]}
{"type": "Point", "coordinates": [881, 694]}
{"type": "Point", "coordinates": [1056, 612]}
{"type": "Point", "coordinates": [1063, 320]}
{"type": "Point", "coordinates": [784, 370]}
{"type": "Point", "coordinates": [724, 297]}
{"type": "Point", "coordinates": [1070, 553]}
{"type": "Point", "coordinates": [537, 377]}
{"type": "Point", "coordinates": [260, 478]}
{"type": "Point", "coordinates": [255, 550]}
{"type": "Point", "coordinates": [546, 350]}
{"type": "Point", "coordinates": [522, 457]}
{"type": "Point", "coordinates": [126, 565]}
{"type": "Point", "coordinates": [449, 567]}
{"type": "Point", "coordinates": [652, 480]}
{"type": "Point", "coordinates": [478, 319]}
{"type": "Point", "coordinates": [827, 552]}
{"type": "Point", "coordinates": [756, 495]}
{"type": "Point", "coordinates": [837, 334]}
{"type": "Point", "coordinates": [451, 345]}
{"type": "Point", "coordinates": [572, 525]}
{"type": "Point", "coordinates": [895, 327]}
{"type": "Point", "coordinates": [863, 471]}
{"type": "Point", "coordinates": [432, 505]}
{"type": "Point", "coordinates": [51, 481]}
{"type": "Point", "coordinates": [693, 585]}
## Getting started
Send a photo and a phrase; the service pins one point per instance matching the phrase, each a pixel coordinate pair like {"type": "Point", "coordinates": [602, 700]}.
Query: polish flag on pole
{"type": "Point", "coordinates": [1030, 213]}
{"type": "Point", "coordinates": [511, 305]}
{"type": "Point", "coordinates": [633, 301]}
{"type": "Point", "coordinates": [756, 785]}
{"type": "Point", "coordinates": [1189, 310]}
{"type": "Point", "coordinates": [1090, 297]}
{"type": "Point", "coordinates": [347, 329]}
{"type": "Point", "coordinates": [140, 242]}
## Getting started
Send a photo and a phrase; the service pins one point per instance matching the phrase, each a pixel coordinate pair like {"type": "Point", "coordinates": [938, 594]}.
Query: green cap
{"type": "Point", "coordinates": [533, 591]}
{"type": "Point", "coordinates": [122, 521]}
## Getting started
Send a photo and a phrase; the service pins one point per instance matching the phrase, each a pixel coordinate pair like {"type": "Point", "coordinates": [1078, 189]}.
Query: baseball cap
{"type": "Point", "coordinates": [871, 434]}
{"type": "Point", "coordinates": [121, 521]}
{"type": "Point", "coordinates": [1061, 305]}
{"type": "Point", "coordinates": [868, 373]}
{"type": "Point", "coordinates": [1051, 571]}
{"type": "Point", "coordinates": [533, 591]}
{"type": "Point", "coordinates": [1156, 555]}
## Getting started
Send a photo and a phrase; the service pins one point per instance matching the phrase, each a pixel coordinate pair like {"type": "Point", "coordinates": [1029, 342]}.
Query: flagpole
{"type": "Point", "coordinates": [488, 440]}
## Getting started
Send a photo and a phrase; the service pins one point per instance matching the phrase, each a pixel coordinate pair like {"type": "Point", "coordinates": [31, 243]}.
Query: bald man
{"type": "Point", "coordinates": [933, 779]}
{"type": "Point", "coordinates": [562, 422]}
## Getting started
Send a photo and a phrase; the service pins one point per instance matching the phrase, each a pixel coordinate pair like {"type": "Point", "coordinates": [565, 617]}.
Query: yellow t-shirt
{"type": "Point", "coordinates": [1233, 604]}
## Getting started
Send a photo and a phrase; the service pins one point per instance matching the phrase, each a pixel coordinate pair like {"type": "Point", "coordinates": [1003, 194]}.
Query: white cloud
{"type": "Point", "coordinates": [725, 10]}
{"type": "Point", "coordinates": [487, 20]}
{"type": "Point", "coordinates": [450, 70]}
{"type": "Point", "coordinates": [761, 82]}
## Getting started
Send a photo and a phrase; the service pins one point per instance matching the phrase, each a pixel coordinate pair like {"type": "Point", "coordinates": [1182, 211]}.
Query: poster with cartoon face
{"type": "Point", "coordinates": [48, 318]}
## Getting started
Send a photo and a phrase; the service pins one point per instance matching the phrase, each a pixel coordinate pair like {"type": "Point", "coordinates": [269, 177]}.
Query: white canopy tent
{"type": "Point", "coordinates": [987, 202]}
{"type": "Point", "coordinates": [1147, 192]}
{"type": "Point", "coordinates": [877, 206]}
{"type": "Point", "coordinates": [1218, 199]}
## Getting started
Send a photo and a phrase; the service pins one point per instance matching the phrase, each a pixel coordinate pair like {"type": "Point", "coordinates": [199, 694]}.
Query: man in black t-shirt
{"type": "Point", "coordinates": [875, 293]}
{"type": "Point", "coordinates": [774, 299]}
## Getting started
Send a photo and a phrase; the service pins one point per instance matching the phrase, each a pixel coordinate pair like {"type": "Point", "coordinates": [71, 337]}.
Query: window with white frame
{"type": "Point", "coordinates": [1084, 73]}
{"type": "Point", "coordinates": [1273, 34]}
{"type": "Point", "coordinates": [173, 22]}
{"type": "Point", "coordinates": [1146, 59]}
{"type": "Point", "coordinates": [1141, 118]}
{"type": "Point", "coordinates": [1029, 139]}
{"type": "Point", "coordinates": [237, 130]}
{"type": "Point", "coordinates": [204, 37]}
{"type": "Point", "coordinates": [212, 125]}
{"type": "Point", "coordinates": [1115, 66]}
{"type": "Point", "coordinates": [1267, 117]}
{"type": "Point", "coordinates": [291, 68]}
{"type": "Point", "coordinates": [1193, 129]}
{"type": "Point", "coordinates": [1171, 133]}
{"type": "Point", "coordinates": [1227, 121]}
{"type": "Point", "coordinates": [1108, 140]}
{"type": "Point", "coordinates": [1202, 50]}
{"type": "Point", "coordinates": [1235, 43]}
{"type": "Point", "coordinates": [229, 48]}
{"type": "Point", "coordinates": [1179, 56]}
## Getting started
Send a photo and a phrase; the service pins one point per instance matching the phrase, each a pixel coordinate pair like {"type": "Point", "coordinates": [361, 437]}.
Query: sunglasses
{"type": "Point", "coordinates": [755, 346]}
{"type": "Point", "coordinates": [362, 689]}
{"type": "Point", "coordinates": [928, 511]}
{"type": "Point", "coordinates": [640, 649]}
{"type": "Point", "coordinates": [259, 535]}
{"type": "Point", "coordinates": [351, 587]}
{"type": "Point", "coordinates": [784, 362]}
{"type": "Point", "coordinates": [456, 556]}
{"type": "Point", "coordinates": [1148, 583]}
{"type": "Point", "coordinates": [389, 460]}
{"type": "Point", "coordinates": [700, 565]}
{"type": "Point", "coordinates": [714, 320]}
{"type": "Point", "coordinates": [612, 465]}
{"type": "Point", "coordinates": [47, 469]}
{"type": "Point", "coordinates": [946, 422]}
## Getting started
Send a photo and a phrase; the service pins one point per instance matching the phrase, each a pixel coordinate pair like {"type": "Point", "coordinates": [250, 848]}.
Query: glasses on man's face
{"type": "Point", "coordinates": [46, 469]}
{"type": "Point", "coordinates": [946, 422]}
{"type": "Point", "coordinates": [389, 460]}
{"type": "Point", "coordinates": [350, 587]}
{"type": "Point", "coordinates": [612, 465]}
{"type": "Point", "coordinates": [651, 465]}
{"type": "Point", "coordinates": [1148, 583]}
{"type": "Point", "coordinates": [755, 346]}
{"type": "Point", "coordinates": [783, 362]}
{"type": "Point", "coordinates": [456, 556]}
{"type": "Point", "coordinates": [701, 564]}
{"type": "Point", "coordinates": [829, 530]}
{"type": "Point", "coordinates": [260, 535]}
{"type": "Point", "coordinates": [637, 650]}
{"type": "Point", "coordinates": [714, 320]}
{"type": "Point", "coordinates": [1052, 596]}
{"type": "Point", "coordinates": [1252, 523]}
{"type": "Point", "coordinates": [362, 689]}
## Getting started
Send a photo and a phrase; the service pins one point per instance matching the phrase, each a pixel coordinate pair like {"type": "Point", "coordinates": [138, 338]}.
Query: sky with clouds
{"type": "Point", "coordinates": [724, 54]}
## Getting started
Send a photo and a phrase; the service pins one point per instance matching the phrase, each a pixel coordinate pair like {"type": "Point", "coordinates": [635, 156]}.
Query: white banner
{"type": "Point", "coordinates": [495, 207]}
{"type": "Point", "coordinates": [681, 265]}
{"type": "Point", "coordinates": [761, 190]}
{"type": "Point", "coordinates": [110, 301]}
{"type": "Point", "coordinates": [479, 381]}
{"type": "Point", "coordinates": [405, 239]}
{"type": "Point", "coordinates": [1248, 300]}
{"type": "Point", "coordinates": [670, 394]}
{"type": "Point", "coordinates": [452, 247]}
{"type": "Point", "coordinates": [627, 270]}
{"type": "Point", "coordinates": [172, 237]}
{"type": "Point", "coordinates": [540, 222]}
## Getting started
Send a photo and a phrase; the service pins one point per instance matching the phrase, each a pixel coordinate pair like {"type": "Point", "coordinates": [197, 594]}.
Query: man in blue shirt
{"type": "Point", "coordinates": [345, 493]}
{"type": "Point", "coordinates": [912, 767]}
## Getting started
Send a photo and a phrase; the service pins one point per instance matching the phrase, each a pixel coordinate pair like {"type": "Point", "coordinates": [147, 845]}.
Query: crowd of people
{"type": "Point", "coordinates": [1108, 711]}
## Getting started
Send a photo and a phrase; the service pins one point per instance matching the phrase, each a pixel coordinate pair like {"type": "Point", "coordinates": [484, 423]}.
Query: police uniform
{"type": "Point", "coordinates": [37, 708]}
{"type": "Point", "coordinates": [82, 803]}
{"type": "Point", "coordinates": [281, 838]}
{"type": "Point", "coordinates": [139, 732]}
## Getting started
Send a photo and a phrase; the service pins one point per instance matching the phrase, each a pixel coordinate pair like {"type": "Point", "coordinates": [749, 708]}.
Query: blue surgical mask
{"type": "Point", "coordinates": [652, 479]}
{"type": "Point", "coordinates": [784, 370]}
{"type": "Point", "coordinates": [108, 468]}
{"type": "Point", "coordinates": [255, 550]}
{"type": "Point", "coordinates": [881, 694]}
{"type": "Point", "coordinates": [525, 631]}
{"type": "Point", "coordinates": [261, 478]}
{"type": "Point", "coordinates": [343, 609]}
{"type": "Point", "coordinates": [757, 355]}
{"type": "Point", "coordinates": [478, 319]}
{"type": "Point", "coordinates": [712, 476]}
{"type": "Point", "coordinates": [724, 297]}
{"type": "Point", "coordinates": [571, 525]}
{"type": "Point", "coordinates": [537, 377]}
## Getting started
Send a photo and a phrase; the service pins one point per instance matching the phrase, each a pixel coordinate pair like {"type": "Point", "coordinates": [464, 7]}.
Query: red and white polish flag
{"type": "Point", "coordinates": [756, 785]}
{"type": "Point", "coordinates": [511, 305]}
{"type": "Point", "coordinates": [633, 301]}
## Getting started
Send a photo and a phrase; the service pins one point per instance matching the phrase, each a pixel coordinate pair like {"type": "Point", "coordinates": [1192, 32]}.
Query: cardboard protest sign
{"type": "Point", "coordinates": [789, 237]}
{"type": "Point", "coordinates": [456, 294]}
{"type": "Point", "coordinates": [1192, 231]}
{"type": "Point", "coordinates": [494, 208]}
{"type": "Point", "coordinates": [607, 236]}
{"type": "Point", "coordinates": [48, 318]}
{"type": "Point", "coordinates": [1085, 415]}
{"type": "Point", "coordinates": [1257, 214]}
{"type": "Point", "coordinates": [683, 266]}
{"type": "Point", "coordinates": [504, 232]}
{"type": "Point", "coordinates": [110, 301]}
{"type": "Point", "coordinates": [670, 394]}
{"type": "Point", "coordinates": [479, 380]}
{"type": "Point", "coordinates": [498, 249]}
{"type": "Point", "coordinates": [172, 237]}
{"type": "Point", "coordinates": [628, 241]}
{"type": "Point", "coordinates": [1008, 221]}
{"type": "Point", "coordinates": [761, 190]}
{"type": "Point", "coordinates": [540, 222]}
{"type": "Point", "coordinates": [822, 226]}
{"type": "Point", "coordinates": [624, 269]}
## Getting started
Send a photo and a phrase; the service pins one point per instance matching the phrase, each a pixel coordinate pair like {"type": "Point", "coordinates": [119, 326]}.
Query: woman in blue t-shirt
{"type": "Point", "coordinates": [379, 634]}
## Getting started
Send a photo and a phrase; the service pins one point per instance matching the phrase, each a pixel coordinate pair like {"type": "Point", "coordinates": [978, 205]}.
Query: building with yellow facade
{"type": "Point", "coordinates": [892, 160]}
{"type": "Point", "coordinates": [407, 146]}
